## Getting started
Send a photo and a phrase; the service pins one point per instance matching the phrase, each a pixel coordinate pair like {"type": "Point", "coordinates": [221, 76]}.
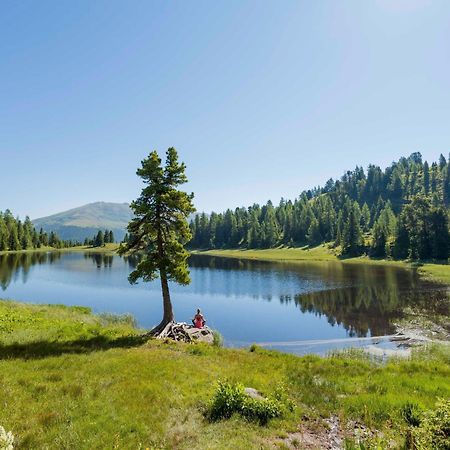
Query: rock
{"type": "Point", "coordinates": [253, 393]}
{"type": "Point", "coordinates": [186, 333]}
{"type": "Point", "coordinates": [204, 334]}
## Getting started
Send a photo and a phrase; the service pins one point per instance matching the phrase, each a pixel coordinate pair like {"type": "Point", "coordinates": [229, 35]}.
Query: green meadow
{"type": "Point", "coordinates": [70, 379]}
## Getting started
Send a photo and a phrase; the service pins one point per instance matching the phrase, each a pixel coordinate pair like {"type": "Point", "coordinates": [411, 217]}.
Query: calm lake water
{"type": "Point", "coordinates": [278, 304]}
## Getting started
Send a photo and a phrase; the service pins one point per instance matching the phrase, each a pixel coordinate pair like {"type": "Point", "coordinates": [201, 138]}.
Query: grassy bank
{"type": "Point", "coordinates": [30, 250]}
{"type": "Point", "coordinates": [436, 272]}
{"type": "Point", "coordinates": [319, 253]}
{"type": "Point", "coordinates": [107, 248]}
{"type": "Point", "coordinates": [69, 379]}
{"type": "Point", "coordinates": [432, 271]}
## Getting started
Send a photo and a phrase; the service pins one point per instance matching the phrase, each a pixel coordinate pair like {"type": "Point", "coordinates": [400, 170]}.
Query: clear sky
{"type": "Point", "coordinates": [261, 98]}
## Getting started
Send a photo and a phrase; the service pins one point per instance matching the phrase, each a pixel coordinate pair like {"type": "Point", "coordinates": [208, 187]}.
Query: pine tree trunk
{"type": "Point", "coordinates": [167, 306]}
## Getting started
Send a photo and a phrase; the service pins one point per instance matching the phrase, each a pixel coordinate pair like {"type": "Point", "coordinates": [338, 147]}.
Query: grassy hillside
{"type": "Point", "coordinates": [69, 379]}
{"type": "Point", "coordinates": [85, 221]}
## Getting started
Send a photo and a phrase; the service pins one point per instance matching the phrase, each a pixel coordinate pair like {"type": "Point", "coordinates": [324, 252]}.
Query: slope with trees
{"type": "Point", "coordinates": [401, 212]}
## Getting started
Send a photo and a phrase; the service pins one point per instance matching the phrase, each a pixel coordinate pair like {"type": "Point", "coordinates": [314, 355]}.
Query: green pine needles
{"type": "Point", "coordinates": [159, 229]}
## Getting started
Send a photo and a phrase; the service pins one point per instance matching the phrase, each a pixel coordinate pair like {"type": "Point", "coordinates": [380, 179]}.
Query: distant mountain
{"type": "Point", "coordinates": [85, 221]}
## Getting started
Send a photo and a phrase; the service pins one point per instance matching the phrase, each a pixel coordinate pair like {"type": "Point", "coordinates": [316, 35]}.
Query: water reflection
{"type": "Point", "coordinates": [247, 300]}
{"type": "Point", "coordinates": [100, 260]}
{"type": "Point", "coordinates": [17, 265]}
{"type": "Point", "coordinates": [364, 299]}
{"type": "Point", "coordinates": [369, 311]}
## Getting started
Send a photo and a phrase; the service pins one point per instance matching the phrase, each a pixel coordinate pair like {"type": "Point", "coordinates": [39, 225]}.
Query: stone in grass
{"type": "Point", "coordinates": [253, 393]}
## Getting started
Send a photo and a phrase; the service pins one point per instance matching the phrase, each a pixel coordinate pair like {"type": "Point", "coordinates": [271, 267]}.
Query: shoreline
{"type": "Point", "coordinates": [411, 327]}
{"type": "Point", "coordinates": [107, 248]}
{"type": "Point", "coordinates": [435, 272]}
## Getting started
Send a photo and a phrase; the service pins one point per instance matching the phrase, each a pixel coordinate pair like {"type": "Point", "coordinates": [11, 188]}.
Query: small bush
{"type": "Point", "coordinates": [411, 413]}
{"type": "Point", "coordinates": [434, 430]}
{"type": "Point", "coordinates": [231, 399]}
{"type": "Point", "coordinates": [261, 410]}
{"type": "Point", "coordinates": [218, 339]}
{"type": "Point", "coordinates": [253, 348]}
{"type": "Point", "coordinates": [228, 399]}
{"type": "Point", "coordinates": [6, 439]}
{"type": "Point", "coordinates": [282, 398]}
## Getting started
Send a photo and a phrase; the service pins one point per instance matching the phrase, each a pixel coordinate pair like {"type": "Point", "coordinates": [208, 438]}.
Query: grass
{"type": "Point", "coordinates": [30, 250]}
{"type": "Point", "coordinates": [319, 253]}
{"type": "Point", "coordinates": [107, 248]}
{"type": "Point", "coordinates": [437, 272]}
{"type": "Point", "coordinates": [69, 379]}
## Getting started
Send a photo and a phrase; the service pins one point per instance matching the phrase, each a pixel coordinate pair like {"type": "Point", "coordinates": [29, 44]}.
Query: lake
{"type": "Point", "coordinates": [297, 307]}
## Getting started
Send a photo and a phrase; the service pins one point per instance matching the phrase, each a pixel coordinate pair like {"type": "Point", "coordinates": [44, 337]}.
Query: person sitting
{"type": "Point", "coordinates": [198, 320]}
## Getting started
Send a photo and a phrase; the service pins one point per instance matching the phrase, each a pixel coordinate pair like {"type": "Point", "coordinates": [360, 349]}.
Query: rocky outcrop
{"type": "Point", "coordinates": [186, 333]}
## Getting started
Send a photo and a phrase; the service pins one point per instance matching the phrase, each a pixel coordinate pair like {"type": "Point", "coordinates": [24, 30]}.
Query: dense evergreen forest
{"type": "Point", "coordinates": [18, 235]}
{"type": "Point", "coordinates": [401, 212]}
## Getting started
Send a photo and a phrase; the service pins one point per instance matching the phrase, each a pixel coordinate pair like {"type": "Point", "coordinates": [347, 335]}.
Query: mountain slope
{"type": "Point", "coordinates": [84, 221]}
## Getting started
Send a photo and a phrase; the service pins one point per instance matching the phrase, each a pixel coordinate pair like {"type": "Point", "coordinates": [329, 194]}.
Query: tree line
{"type": "Point", "coordinates": [17, 235]}
{"type": "Point", "coordinates": [101, 238]}
{"type": "Point", "coordinates": [399, 212]}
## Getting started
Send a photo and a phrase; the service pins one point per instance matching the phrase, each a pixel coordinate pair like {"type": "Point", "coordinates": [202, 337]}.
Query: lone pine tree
{"type": "Point", "coordinates": [159, 230]}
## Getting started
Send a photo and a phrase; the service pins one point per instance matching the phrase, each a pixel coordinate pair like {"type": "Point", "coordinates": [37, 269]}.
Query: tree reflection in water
{"type": "Point", "coordinates": [363, 299]}
{"type": "Point", "coordinates": [100, 259]}
{"type": "Point", "coordinates": [15, 265]}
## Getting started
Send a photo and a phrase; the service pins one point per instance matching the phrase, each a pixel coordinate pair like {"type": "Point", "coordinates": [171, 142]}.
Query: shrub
{"type": "Point", "coordinates": [411, 413]}
{"type": "Point", "coordinates": [218, 339]}
{"type": "Point", "coordinates": [231, 399]}
{"type": "Point", "coordinates": [434, 430]}
{"type": "Point", "coordinates": [261, 410]}
{"type": "Point", "coordinates": [282, 398]}
{"type": "Point", "coordinates": [228, 399]}
{"type": "Point", "coordinates": [6, 439]}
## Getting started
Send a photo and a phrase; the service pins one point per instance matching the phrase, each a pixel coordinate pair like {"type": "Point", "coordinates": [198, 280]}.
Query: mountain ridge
{"type": "Point", "coordinates": [84, 221]}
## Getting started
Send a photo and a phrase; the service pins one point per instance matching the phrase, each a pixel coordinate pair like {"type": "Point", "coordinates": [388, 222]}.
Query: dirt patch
{"type": "Point", "coordinates": [329, 434]}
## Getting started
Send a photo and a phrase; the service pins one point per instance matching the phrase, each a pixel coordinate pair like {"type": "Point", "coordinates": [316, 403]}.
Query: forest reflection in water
{"type": "Point", "coordinates": [14, 265]}
{"type": "Point", "coordinates": [363, 299]}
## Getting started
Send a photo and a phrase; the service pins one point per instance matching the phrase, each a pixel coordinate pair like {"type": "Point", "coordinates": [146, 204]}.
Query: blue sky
{"type": "Point", "coordinates": [261, 98]}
